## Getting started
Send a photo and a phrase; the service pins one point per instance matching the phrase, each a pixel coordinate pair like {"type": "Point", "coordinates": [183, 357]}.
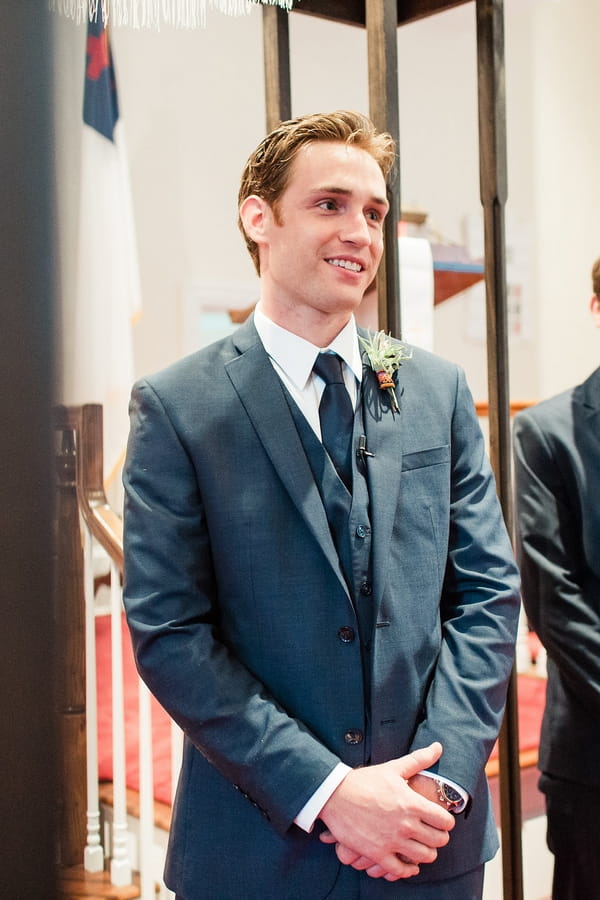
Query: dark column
{"type": "Point", "coordinates": [27, 639]}
{"type": "Point", "coordinates": [493, 187]}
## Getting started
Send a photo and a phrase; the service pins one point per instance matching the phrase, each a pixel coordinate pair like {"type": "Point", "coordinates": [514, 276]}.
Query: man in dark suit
{"type": "Point", "coordinates": [557, 459]}
{"type": "Point", "coordinates": [333, 639]}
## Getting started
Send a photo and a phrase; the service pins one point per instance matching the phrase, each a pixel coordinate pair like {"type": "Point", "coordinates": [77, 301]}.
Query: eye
{"type": "Point", "coordinates": [328, 205]}
{"type": "Point", "coordinates": [374, 215]}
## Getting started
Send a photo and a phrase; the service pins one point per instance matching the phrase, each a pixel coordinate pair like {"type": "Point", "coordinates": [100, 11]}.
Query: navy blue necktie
{"type": "Point", "coordinates": [336, 415]}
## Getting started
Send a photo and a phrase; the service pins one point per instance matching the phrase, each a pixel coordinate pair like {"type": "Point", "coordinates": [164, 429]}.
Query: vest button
{"type": "Point", "coordinates": [354, 736]}
{"type": "Point", "coordinates": [346, 634]}
{"type": "Point", "coordinates": [366, 588]}
{"type": "Point", "coordinates": [362, 531]}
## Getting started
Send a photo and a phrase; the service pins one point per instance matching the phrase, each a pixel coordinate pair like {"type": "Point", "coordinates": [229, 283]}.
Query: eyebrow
{"type": "Point", "coordinates": [333, 189]}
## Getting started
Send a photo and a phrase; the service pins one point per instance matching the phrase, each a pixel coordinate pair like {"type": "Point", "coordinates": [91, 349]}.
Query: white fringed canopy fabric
{"type": "Point", "coordinates": [154, 13]}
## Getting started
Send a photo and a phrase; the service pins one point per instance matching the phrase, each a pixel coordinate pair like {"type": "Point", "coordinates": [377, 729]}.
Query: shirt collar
{"type": "Point", "coordinates": [296, 356]}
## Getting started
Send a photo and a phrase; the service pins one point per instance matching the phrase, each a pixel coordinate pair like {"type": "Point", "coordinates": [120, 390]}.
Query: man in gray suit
{"type": "Point", "coordinates": [334, 639]}
{"type": "Point", "coordinates": [557, 459]}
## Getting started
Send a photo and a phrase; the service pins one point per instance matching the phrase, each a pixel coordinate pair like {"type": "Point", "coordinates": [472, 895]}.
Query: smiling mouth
{"type": "Point", "coordinates": [346, 264]}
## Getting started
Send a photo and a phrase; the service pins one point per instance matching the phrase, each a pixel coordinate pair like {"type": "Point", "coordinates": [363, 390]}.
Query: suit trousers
{"type": "Point", "coordinates": [353, 885]}
{"type": "Point", "coordinates": [573, 837]}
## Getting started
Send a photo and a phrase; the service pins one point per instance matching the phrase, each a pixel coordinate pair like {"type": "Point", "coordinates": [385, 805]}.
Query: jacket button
{"type": "Point", "coordinates": [354, 736]}
{"type": "Point", "coordinates": [366, 588]}
{"type": "Point", "coordinates": [362, 531]}
{"type": "Point", "coordinates": [346, 634]}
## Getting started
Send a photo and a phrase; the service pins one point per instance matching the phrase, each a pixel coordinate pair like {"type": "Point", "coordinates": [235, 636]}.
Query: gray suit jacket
{"type": "Point", "coordinates": [557, 467]}
{"type": "Point", "coordinates": [235, 598]}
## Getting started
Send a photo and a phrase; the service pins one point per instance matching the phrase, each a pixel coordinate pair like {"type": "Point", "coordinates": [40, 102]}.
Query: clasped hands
{"type": "Point", "coordinates": [385, 820]}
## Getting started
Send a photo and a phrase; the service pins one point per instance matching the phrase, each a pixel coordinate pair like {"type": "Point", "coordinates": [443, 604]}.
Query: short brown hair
{"type": "Point", "coordinates": [267, 171]}
{"type": "Point", "coordinates": [596, 278]}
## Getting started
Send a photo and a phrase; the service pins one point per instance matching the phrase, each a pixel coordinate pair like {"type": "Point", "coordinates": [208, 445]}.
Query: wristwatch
{"type": "Point", "coordinates": [448, 796]}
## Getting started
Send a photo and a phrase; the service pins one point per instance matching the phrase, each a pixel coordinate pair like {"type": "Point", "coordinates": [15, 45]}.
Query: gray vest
{"type": "Point", "coordinates": [350, 525]}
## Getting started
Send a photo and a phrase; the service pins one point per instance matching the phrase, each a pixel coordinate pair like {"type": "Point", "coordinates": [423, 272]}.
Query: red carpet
{"type": "Point", "coordinates": [161, 729]}
{"type": "Point", "coordinates": [531, 691]}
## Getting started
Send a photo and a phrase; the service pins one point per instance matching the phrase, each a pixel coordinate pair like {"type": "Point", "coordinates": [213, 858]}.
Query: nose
{"type": "Point", "coordinates": [355, 229]}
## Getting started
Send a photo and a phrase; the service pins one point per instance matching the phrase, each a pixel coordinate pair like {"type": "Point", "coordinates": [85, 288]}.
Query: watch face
{"type": "Point", "coordinates": [452, 795]}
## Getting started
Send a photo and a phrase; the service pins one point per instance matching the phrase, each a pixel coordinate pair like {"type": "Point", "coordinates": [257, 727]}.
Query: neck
{"type": "Point", "coordinates": [317, 327]}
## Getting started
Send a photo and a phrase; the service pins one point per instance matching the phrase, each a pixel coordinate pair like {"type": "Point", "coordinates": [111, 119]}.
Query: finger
{"type": "Point", "coordinates": [377, 871]}
{"type": "Point", "coordinates": [345, 855]}
{"type": "Point", "coordinates": [362, 862]}
{"type": "Point", "coordinates": [327, 837]}
{"type": "Point", "coordinates": [391, 867]}
{"type": "Point", "coordinates": [418, 760]}
{"type": "Point", "coordinates": [415, 853]}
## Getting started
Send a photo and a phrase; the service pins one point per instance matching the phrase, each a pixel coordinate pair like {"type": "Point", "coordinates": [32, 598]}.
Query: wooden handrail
{"type": "Point", "coordinates": [104, 523]}
{"type": "Point", "coordinates": [483, 409]}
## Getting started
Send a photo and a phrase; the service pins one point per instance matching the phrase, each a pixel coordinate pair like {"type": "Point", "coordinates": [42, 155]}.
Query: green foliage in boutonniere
{"type": "Point", "coordinates": [386, 356]}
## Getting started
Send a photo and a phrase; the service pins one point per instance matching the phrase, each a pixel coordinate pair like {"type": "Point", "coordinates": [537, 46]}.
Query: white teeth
{"type": "Point", "coordinates": [346, 264]}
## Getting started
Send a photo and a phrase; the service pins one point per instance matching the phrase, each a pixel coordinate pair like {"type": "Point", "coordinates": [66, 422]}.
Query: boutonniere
{"type": "Point", "coordinates": [385, 356]}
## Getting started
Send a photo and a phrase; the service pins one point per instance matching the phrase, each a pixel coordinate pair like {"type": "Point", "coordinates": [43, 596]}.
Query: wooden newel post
{"type": "Point", "coordinates": [70, 620]}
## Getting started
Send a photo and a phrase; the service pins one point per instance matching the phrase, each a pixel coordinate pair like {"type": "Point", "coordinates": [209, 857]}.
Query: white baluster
{"type": "Point", "coordinates": [120, 866]}
{"type": "Point", "coordinates": [93, 856]}
{"type": "Point", "coordinates": [147, 883]}
{"type": "Point", "coordinates": [523, 652]}
{"type": "Point", "coordinates": [176, 756]}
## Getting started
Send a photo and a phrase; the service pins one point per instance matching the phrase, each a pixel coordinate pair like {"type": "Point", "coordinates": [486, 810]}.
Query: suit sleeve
{"type": "Point", "coordinates": [171, 601]}
{"type": "Point", "coordinates": [479, 609]}
{"type": "Point", "coordinates": [560, 593]}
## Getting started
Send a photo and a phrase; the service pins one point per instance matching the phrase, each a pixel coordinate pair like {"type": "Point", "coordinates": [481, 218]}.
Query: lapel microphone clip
{"type": "Point", "coordinates": [362, 453]}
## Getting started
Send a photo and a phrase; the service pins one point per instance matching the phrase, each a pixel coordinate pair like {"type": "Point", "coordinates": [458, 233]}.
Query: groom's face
{"type": "Point", "coordinates": [324, 240]}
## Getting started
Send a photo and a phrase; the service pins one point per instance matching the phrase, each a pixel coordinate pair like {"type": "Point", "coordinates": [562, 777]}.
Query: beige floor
{"type": "Point", "coordinates": [537, 859]}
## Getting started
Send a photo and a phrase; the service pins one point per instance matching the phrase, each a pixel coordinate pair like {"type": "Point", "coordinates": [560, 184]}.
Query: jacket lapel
{"type": "Point", "coordinates": [254, 379]}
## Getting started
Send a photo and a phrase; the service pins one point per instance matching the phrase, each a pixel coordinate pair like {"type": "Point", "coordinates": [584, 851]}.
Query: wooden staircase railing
{"type": "Point", "coordinates": [80, 499]}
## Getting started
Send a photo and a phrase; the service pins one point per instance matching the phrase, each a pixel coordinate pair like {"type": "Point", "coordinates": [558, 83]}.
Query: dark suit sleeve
{"type": "Point", "coordinates": [171, 600]}
{"type": "Point", "coordinates": [479, 611]}
{"type": "Point", "coordinates": [560, 593]}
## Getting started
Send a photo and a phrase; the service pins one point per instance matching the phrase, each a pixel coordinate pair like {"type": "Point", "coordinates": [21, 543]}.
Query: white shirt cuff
{"type": "Point", "coordinates": [308, 814]}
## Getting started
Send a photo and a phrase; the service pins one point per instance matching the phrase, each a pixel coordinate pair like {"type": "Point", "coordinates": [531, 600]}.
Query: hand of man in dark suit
{"type": "Point", "coordinates": [382, 825]}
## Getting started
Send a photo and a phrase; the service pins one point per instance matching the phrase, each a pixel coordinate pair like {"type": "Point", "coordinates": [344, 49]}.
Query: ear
{"type": "Point", "coordinates": [595, 309]}
{"type": "Point", "coordinates": [254, 213]}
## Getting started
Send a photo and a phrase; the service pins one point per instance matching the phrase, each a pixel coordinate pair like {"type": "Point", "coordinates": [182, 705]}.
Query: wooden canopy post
{"type": "Point", "coordinates": [276, 49]}
{"type": "Point", "coordinates": [382, 49]}
{"type": "Point", "coordinates": [493, 188]}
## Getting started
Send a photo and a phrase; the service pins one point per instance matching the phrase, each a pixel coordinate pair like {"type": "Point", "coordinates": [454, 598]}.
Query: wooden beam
{"type": "Point", "coordinates": [276, 48]}
{"type": "Point", "coordinates": [383, 107]}
{"type": "Point", "coordinates": [353, 12]}
{"type": "Point", "coordinates": [411, 10]}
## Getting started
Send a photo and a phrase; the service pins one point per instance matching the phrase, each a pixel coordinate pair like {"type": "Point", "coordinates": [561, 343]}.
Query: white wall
{"type": "Point", "coordinates": [567, 186]}
{"type": "Point", "coordinates": [193, 108]}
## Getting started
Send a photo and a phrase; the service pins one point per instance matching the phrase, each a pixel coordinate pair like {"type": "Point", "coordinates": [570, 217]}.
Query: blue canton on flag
{"type": "Point", "coordinates": [100, 104]}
